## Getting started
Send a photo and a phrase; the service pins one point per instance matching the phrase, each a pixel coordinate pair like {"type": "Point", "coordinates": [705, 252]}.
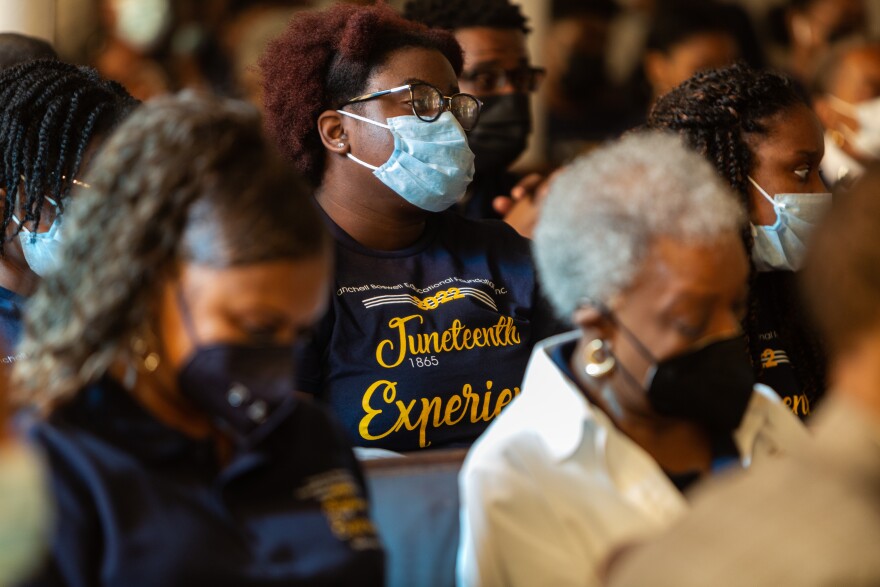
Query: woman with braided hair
{"type": "Point", "coordinates": [763, 138]}
{"type": "Point", "coordinates": [52, 117]}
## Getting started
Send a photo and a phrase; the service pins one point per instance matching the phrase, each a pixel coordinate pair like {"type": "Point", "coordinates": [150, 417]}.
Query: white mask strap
{"type": "Point", "coordinates": [364, 119]}
{"type": "Point", "coordinates": [18, 222]}
{"type": "Point", "coordinates": [765, 194]}
{"type": "Point", "coordinates": [358, 161]}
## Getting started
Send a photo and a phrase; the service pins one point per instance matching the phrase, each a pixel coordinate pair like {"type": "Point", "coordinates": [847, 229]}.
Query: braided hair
{"type": "Point", "coordinates": [714, 111]}
{"type": "Point", "coordinates": [458, 14]}
{"type": "Point", "coordinates": [186, 178]}
{"type": "Point", "coordinates": [50, 112]}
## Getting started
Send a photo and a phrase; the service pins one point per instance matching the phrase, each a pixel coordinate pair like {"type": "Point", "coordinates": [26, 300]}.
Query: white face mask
{"type": "Point", "coordinates": [24, 512]}
{"type": "Point", "coordinates": [431, 165]}
{"type": "Point", "coordinates": [783, 245]}
{"type": "Point", "coordinates": [41, 249]}
{"type": "Point", "coordinates": [141, 24]}
{"type": "Point", "coordinates": [867, 139]}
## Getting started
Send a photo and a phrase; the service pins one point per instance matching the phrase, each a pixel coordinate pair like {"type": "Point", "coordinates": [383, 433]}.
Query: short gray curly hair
{"type": "Point", "coordinates": [604, 211]}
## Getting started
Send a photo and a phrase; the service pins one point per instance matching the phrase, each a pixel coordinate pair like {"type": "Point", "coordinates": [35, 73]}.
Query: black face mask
{"type": "Point", "coordinates": [710, 385]}
{"type": "Point", "coordinates": [238, 385]}
{"type": "Point", "coordinates": [502, 133]}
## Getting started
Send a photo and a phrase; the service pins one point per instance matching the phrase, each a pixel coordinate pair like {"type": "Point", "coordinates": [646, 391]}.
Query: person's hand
{"type": "Point", "coordinates": [524, 189]}
{"type": "Point", "coordinates": [522, 208]}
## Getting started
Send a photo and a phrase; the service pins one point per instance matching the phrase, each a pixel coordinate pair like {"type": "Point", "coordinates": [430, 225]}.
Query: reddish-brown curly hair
{"type": "Point", "coordinates": [325, 58]}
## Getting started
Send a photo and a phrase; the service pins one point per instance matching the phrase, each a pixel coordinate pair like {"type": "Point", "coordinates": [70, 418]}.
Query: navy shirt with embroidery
{"type": "Point", "coordinates": [141, 505]}
{"type": "Point", "coordinates": [773, 349]}
{"type": "Point", "coordinates": [11, 313]}
{"type": "Point", "coordinates": [423, 347]}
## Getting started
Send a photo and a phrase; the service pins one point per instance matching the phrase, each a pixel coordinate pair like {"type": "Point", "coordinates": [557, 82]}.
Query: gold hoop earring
{"type": "Point", "coordinates": [141, 350]}
{"type": "Point", "coordinates": [599, 362]}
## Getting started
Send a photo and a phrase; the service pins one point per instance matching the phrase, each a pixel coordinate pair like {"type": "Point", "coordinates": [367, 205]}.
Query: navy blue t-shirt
{"type": "Point", "coordinates": [140, 504]}
{"type": "Point", "coordinates": [773, 351]}
{"type": "Point", "coordinates": [423, 347]}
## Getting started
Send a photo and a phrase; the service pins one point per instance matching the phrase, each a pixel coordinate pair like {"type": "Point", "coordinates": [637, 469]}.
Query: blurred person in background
{"type": "Point", "coordinates": [639, 244]}
{"type": "Point", "coordinates": [498, 71]}
{"type": "Point", "coordinates": [808, 28]}
{"type": "Point", "coordinates": [154, 47]}
{"type": "Point", "coordinates": [162, 359]}
{"type": "Point", "coordinates": [246, 31]}
{"type": "Point", "coordinates": [762, 137]}
{"type": "Point", "coordinates": [812, 519]}
{"type": "Point", "coordinates": [133, 31]}
{"type": "Point", "coordinates": [432, 314]}
{"type": "Point", "coordinates": [583, 104]}
{"type": "Point", "coordinates": [846, 97]}
{"type": "Point", "coordinates": [16, 49]}
{"type": "Point", "coordinates": [53, 115]}
{"type": "Point", "coordinates": [684, 37]}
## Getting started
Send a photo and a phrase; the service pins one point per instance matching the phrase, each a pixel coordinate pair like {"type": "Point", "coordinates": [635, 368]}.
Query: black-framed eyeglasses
{"type": "Point", "coordinates": [428, 103]}
{"type": "Point", "coordinates": [522, 79]}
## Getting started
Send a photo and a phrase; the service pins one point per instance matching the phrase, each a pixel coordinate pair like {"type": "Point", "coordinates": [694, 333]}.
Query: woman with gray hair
{"type": "Point", "coordinates": [639, 246]}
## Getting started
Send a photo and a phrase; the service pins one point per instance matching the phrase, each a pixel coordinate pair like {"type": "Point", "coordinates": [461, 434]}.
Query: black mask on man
{"type": "Point", "coordinates": [502, 133]}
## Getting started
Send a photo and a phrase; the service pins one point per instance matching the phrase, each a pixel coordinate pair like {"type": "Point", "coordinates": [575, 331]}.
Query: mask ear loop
{"type": "Point", "coordinates": [776, 205]}
{"type": "Point", "coordinates": [363, 119]}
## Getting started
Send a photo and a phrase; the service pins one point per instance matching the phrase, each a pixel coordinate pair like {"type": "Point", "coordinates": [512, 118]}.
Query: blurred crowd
{"type": "Point", "coordinates": [252, 252]}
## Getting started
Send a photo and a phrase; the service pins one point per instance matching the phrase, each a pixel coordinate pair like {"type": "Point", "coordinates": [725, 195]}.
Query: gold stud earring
{"type": "Point", "coordinates": [837, 137]}
{"type": "Point", "coordinates": [599, 362]}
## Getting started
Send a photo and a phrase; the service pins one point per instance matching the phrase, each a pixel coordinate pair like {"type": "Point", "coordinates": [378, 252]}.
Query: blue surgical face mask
{"type": "Point", "coordinates": [783, 245]}
{"type": "Point", "coordinates": [41, 249]}
{"type": "Point", "coordinates": [431, 165]}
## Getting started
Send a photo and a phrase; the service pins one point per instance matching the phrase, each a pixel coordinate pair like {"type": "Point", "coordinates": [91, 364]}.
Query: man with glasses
{"type": "Point", "coordinates": [497, 70]}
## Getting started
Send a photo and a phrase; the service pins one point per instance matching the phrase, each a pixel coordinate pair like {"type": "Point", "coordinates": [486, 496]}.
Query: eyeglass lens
{"type": "Point", "coordinates": [428, 105]}
{"type": "Point", "coordinates": [522, 79]}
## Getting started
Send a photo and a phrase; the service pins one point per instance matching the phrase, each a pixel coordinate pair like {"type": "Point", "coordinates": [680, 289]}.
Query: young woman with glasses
{"type": "Point", "coordinates": [431, 318]}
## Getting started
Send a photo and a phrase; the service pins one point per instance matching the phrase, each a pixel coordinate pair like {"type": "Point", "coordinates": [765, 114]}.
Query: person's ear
{"type": "Point", "coordinates": [331, 129]}
{"type": "Point", "coordinates": [593, 319]}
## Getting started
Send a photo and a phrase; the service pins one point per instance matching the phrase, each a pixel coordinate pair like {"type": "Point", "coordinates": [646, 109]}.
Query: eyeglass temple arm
{"type": "Point", "coordinates": [372, 95]}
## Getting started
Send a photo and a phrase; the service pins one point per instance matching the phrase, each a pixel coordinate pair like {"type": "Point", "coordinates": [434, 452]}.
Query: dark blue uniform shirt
{"type": "Point", "coordinates": [11, 312]}
{"type": "Point", "coordinates": [140, 504]}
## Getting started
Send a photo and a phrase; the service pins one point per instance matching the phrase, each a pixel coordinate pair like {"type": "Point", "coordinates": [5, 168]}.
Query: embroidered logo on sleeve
{"type": "Point", "coordinates": [773, 358]}
{"type": "Point", "coordinates": [344, 506]}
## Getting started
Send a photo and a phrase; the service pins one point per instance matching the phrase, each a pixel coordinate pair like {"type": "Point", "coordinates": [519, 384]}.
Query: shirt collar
{"type": "Point", "coordinates": [562, 414]}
